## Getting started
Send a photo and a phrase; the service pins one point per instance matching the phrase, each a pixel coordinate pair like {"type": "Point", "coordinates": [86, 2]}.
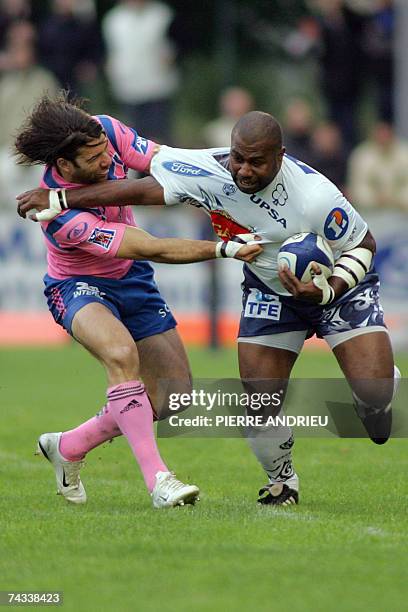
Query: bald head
{"type": "Point", "coordinates": [256, 151]}
{"type": "Point", "coordinates": [257, 126]}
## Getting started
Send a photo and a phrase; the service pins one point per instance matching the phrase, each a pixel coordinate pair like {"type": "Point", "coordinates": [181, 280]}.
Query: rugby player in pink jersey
{"type": "Point", "coordinates": [104, 298]}
{"type": "Point", "coordinates": [254, 186]}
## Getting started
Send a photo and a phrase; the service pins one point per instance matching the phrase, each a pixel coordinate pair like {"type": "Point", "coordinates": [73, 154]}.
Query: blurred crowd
{"type": "Point", "coordinates": [134, 49]}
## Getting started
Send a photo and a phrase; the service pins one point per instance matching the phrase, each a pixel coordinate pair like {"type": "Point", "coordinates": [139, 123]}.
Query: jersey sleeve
{"type": "Point", "coordinates": [331, 215]}
{"type": "Point", "coordinates": [85, 231]}
{"type": "Point", "coordinates": [179, 177]}
{"type": "Point", "coordinates": [134, 150]}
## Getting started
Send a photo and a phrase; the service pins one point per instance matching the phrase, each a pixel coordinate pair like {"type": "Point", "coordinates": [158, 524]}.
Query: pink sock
{"type": "Point", "coordinates": [132, 411]}
{"type": "Point", "coordinates": [77, 442]}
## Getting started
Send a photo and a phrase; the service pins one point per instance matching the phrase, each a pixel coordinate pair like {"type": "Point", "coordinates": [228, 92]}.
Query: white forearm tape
{"type": "Point", "coordinates": [231, 247]}
{"type": "Point", "coordinates": [57, 200]}
{"type": "Point", "coordinates": [227, 249]}
{"type": "Point", "coordinates": [353, 265]}
{"type": "Point", "coordinates": [62, 198]}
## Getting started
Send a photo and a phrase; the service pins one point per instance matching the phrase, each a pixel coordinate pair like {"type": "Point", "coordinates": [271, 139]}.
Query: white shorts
{"type": "Point", "coordinates": [294, 340]}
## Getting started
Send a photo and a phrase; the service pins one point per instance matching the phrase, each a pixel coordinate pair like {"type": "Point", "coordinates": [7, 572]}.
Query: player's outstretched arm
{"type": "Point", "coordinates": [138, 244]}
{"type": "Point", "coordinates": [50, 202]}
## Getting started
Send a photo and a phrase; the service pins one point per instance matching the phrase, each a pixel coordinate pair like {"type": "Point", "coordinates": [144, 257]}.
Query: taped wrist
{"type": "Point", "coordinates": [62, 198]}
{"type": "Point", "coordinates": [231, 247]}
{"type": "Point", "coordinates": [353, 265]}
{"type": "Point", "coordinates": [320, 281]}
{"type": "Point", "coordinates": [227, 249]}
{"type": "Point", "coordinates": [54, 200]}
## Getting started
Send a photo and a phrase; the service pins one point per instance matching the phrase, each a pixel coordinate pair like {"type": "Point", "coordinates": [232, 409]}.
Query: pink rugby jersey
{"type": "Point", "coordinates": [85, 242]}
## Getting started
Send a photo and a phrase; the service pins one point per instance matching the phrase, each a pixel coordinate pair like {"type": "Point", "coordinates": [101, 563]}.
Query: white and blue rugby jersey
{"type": "Point", "coordinates": [299, 199]}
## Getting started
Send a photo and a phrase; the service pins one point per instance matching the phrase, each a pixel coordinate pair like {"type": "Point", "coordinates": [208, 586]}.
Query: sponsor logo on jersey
{"type": "Point", "coordinates": [229, 189]}
{"type": "Point", "coordinates": [225, 226]}
{"type": "Point", "coordinates": [280, 195]}
{"type": "Point", "coordinates": [271, 212]}
{"type": "Point", "coordinates": [83, 289]}
{"type": "Point", "coordinates": [142, 144]}
{"type": "Point", "coordinates": [336, 224]}
{"type": "Point", "coordinates": [102, 237]}
{"type": "Point", "coordinates": [260, 296]}
{"type": "Point", "coordinates": [77, 231]}
{"type": "Point", "coordinates": [178, 167]}
{"type": "Point", "coordinates": [268, 307]}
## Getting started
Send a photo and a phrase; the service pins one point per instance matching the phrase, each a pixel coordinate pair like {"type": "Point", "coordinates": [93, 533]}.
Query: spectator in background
{"type": "Point", "coordinates": [377, 44]}
{"type": "Point", "coordinates": [342, 65]}
{"type": "Point", "coordinates": [12, 11]}
{"type": "Point", "coordinates": [141, 64]}
{"type": "Point", "coordinates": [22, 83]}
{"type": "Point", "coordinates": [328, 155]}
{"type": "Point", "coordinates": [299, 124]}
{"type": "Point", "coordinates": [234, 102]}
{"type": "Point", "coordinates": [357, 47]}
{"type": "Point", "coordinates": [70, 44]}
{"type": "Point", "coordinates": [378, 171]}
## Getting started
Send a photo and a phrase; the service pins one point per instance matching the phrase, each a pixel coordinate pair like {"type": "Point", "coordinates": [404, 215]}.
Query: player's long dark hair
{"type": "Point", "coordinates": [55, 128]}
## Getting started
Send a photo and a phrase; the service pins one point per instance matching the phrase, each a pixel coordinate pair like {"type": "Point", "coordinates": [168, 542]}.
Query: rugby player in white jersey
{"type": "Point", "coordinates": [254, 187]}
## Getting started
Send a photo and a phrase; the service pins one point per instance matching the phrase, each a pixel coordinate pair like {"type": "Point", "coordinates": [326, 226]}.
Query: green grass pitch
{"type": "Point", "coordinates": [343, 548]}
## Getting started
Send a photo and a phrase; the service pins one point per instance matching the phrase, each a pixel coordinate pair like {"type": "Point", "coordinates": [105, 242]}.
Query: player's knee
{"type": "Point", "coordinates": [375, 393]}
{"type": "Point", "coordinates": [265, 397]}
{"type": "Point", "coordinates": [122, 357]}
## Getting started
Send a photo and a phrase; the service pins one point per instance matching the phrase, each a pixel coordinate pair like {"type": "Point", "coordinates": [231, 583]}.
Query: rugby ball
{"type": "Point", "coordinates": [299, 252]}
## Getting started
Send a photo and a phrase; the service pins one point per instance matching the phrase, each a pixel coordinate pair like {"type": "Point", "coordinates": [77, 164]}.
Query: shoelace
{"type": "Point", "coordinates": [172, 483]}
{"type": "Point", "coordinates": [72, 470]}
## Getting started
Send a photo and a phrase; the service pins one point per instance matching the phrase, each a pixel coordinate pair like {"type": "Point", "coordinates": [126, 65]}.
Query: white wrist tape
{"type": "Point", "coordinates": [245, 239]}
{"type": "Point", "coordinates": [353, 265]}
{"type": "Point", "coordinates": [57, 199]}
{"type": "Point", "coordinates": [54, 207]}
{"type": "Point", "coordinates": [320, 281]}
{"type": "Point", "coordinates": [231, 247]}
{"type": "Point", "coordinates": [227, 249]}
{"type": "Point", "coordinates": [54, 201]}
{"type": "Point", "coordinates": [62, 198]}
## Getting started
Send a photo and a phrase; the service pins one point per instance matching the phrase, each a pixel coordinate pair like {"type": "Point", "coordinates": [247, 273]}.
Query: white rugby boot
{"type": "Point", "coordinates": [69, 483]}
{"type": "Point", "coordinates": [169, 492]}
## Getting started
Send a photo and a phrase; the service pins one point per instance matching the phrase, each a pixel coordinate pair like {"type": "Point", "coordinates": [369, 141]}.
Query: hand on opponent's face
{"type": "Point", "coordinates": [301, 291]}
